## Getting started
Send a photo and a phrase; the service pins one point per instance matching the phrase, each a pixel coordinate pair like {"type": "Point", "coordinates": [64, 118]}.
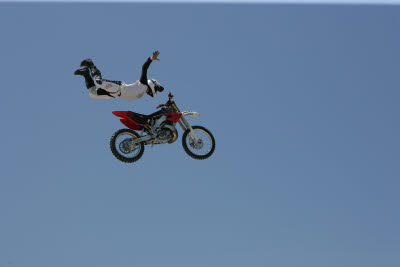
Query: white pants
{"type": "Point", "coordinates": [114, 90]}
{"type": "Point", "coordinates": [110, 87]}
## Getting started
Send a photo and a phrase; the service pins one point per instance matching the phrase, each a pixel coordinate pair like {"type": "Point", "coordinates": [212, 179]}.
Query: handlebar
{"type": "Point", "coordinates": [170, 96]}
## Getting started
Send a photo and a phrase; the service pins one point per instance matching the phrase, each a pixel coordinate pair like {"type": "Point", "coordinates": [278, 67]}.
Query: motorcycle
{"type": "Point", "coordinates": [127, 145]}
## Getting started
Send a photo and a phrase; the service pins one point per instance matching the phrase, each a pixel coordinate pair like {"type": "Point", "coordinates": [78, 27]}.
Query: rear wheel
{"type": "Point", "coordinates": [122, 147]}
{"type": "Point", "coordinates": [202, 148]}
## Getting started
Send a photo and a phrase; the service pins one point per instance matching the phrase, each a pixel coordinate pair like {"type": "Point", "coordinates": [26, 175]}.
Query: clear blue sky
{"type": "Point", "coordinates": [303, 103]}
{"type": "Point", "coordinates": [380, 2]}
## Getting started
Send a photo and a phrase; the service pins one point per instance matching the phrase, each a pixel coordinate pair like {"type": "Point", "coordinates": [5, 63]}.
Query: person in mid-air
{"type": "Point", "coordinates": [100, 88]}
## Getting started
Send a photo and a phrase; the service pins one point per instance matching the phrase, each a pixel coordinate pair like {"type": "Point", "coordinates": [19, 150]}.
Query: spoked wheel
{"type": "Point", "coordinates": [122, 147]}
{"type": "Point", "coordinates": [201, 148]}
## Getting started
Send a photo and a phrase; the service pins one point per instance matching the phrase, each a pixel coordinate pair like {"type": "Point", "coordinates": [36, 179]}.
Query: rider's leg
{"type": "Point", "coordinates": [112, 87]}
{"type": "Point", "coordinates": [91, 86]}
{"type": "Point", "coordinates": [107, 85]}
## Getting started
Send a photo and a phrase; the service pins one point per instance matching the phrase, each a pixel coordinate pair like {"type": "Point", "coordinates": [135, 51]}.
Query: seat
{"type": "Point", "coordinates": [144, 119]}
{"type": "Point", "coordinates": [140, 118]}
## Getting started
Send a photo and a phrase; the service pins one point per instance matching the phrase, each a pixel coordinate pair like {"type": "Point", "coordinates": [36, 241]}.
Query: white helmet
{"type": "Point", "coordinates": [154, 86]}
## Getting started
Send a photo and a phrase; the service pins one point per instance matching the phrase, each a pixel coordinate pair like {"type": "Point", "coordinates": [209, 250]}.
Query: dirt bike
{"type": "Point", "coordinates": [127, 145]}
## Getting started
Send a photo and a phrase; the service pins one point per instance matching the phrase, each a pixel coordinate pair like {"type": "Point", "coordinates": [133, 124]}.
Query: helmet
{"type": "Point", "coordinates": [154, 86]}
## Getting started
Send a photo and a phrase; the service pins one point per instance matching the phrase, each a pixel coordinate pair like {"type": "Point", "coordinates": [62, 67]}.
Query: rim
{"type": "Point", "coordinates": [204, 144]}
{"type": "Point", "coordinates": [123, 146]}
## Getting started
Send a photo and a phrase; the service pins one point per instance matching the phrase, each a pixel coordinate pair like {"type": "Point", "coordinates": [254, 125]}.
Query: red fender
{"type": "Point", "coordinates": [127, 121]}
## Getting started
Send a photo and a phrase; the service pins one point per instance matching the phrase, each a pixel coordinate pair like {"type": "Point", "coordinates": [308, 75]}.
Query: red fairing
{"type": "Point", "coordinates": [174, 116]}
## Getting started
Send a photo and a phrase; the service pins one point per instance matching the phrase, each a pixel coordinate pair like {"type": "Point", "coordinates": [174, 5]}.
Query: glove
{"type": "Point", "coordinates": [155, 55]}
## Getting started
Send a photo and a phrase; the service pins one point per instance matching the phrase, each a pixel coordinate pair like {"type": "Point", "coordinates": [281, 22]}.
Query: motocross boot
{"type": "Point", "coordinates": [94, 71]}
{"type": "Point", "coordinates": [82, 72]}
{"type": "Point", "coordinates": [87, 63]}
{"type": "Point", "coordinates": [85, 73]}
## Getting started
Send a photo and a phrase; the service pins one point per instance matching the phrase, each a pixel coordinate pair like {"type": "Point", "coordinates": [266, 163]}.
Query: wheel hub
{"type": "Point", "coordinates": [125, 146]}
{"type": "Point", "coordinates": [197, 145]}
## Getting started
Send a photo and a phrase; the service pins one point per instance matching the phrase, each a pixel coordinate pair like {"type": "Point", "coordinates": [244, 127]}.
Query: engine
{"type": "Point", "coordinates": [167, 134]}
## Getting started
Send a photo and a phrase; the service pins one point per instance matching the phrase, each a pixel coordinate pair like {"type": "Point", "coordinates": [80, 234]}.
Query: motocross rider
{"type": "Point", "coordinates": [100, 88]}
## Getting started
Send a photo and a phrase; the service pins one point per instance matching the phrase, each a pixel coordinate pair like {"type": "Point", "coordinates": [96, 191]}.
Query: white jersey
{"type": "Point", "coordinates": [133, 91]}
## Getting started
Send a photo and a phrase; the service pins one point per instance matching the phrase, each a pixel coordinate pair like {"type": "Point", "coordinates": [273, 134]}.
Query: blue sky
{"type": "Point", "coordinates": [302, 101]}
{"type": "Point", "coordinates": [380, 2]}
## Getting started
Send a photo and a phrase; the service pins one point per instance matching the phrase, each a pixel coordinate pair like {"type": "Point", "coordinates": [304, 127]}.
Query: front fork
{"type": "Point", "coordinates": [185, 125]}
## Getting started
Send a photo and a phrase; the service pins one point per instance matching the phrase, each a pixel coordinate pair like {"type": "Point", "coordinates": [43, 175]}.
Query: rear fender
{"type": "Point", "coordinates": [121, 114]}
{"type": "Point", "coordinates": [128, 122]}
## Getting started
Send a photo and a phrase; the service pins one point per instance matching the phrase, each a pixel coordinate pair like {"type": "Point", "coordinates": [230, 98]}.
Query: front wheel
{"type": "Point", "coordinates": [122, 147]}
{"type": "Point", "coordinates": [201, 148]}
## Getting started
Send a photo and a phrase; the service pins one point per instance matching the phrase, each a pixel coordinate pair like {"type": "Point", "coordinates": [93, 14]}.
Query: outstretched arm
{"type": "Point", "coordinates": [143, 76]}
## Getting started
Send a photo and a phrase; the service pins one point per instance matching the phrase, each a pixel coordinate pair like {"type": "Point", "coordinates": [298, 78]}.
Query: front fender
{"type": "Point", "coordinates": [190, 113]}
